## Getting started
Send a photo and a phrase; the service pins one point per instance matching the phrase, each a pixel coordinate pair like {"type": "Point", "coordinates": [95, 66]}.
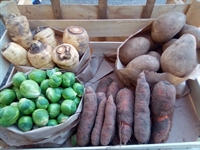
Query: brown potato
{"type": "Point", "coordinates": [144, 62]}
{"type": "Point", "coordinates": [180, 58]}
{"type": "Point", "coordinates": [154, 54]}
{"type": "Point", "coordinates": [191, 30]}
{"type": "Point", "coordinates": [168, 43]}
{"type": "Point", "coordinates": [167, 26]}
{"type": "Point", "coordinates": [153, 44]}
{"type": "Point", "coordinates": [132, 48]}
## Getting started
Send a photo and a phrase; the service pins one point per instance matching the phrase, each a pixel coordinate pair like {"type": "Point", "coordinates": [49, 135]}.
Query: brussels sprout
{"type": "Point", "coordinates": [73, 140]}
{"type": "Point", "coordinates": [42, 102]}
{"type": "Point", "coordinates": [44, 85]}
{"type": "Point", "coordinates": [7, 96]}
{"type": "Point", "coordinates": [55, 80]}
{"type": "Point", "coordinates": [78, 88]}
{"type": "Point", "coordinates": [53, 110]}
{"type": "Point", "coordinates": [52, 122]}
{"type": "Point", "coordinates": [53, 94]}
{"type": "Point", "coordinates": [62, 118]}
{"type": "Point", "coordinates": [68, 107]}
{"type": "Point", "coordinates": [9, 115]}
{"type": "Point", "coordinates": [14, 104]}
{"type": "Point", "coordinates": [68, 79]}
{"type": "Point", "coordinates": [26, 106]}
{"type": "Point", "coordinates": [49, 72]}
{"type": "Point", "coordinates": [69, 93]}
{"type": "Point", "coordinates": [17, 92]}
{"type": "Point", "coordinates": [2, 105]}
{"type": "Point", "coordinates": [18, 78]}
{"type": "Point", "coordinates": [40, 117]}
{"type": "Point", "coordinates": [77, 100]}
{"type": "Point", "coordinates": [25, 123]}
{"type": "Point", "coordinates": [37, 75]}
{"type": "Point", "coordinates": [30, 89]}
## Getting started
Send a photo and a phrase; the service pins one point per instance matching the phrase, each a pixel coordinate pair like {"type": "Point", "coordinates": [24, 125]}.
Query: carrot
{"type": "Point", "coordinates": [142, 120]}
{"type": "Point", "coordinates": [160, 129]}
{"type": "Point", "coordinates": [100, 96]}
{"type": "Point", "coordinates": [113, 88]}
{"type": "Point", "coordinates": [103, 84]}
{"type": "Point", "coordinates": [96, 131]}
{"type": "Point", "coordinates": [87, 118]}
{"type": "Point", "coordinates": [125, 110]}
{"type": "Point", "coordinates": [108, 128]}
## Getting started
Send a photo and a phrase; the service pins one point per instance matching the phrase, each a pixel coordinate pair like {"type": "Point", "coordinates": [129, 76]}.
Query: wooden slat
{"type": "Point", "coordinates": [108, 28]}
{"type": "Point", "coordinates": [40, 12]}
{"type": "Point", "coordinates": [102, 9]}
{"type": "Point", "coordinates": [147, 11]}
{"type": "Point", "coordinates": [57, 9]}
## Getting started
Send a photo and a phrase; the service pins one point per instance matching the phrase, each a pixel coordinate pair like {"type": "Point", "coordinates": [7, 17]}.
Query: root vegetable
{"type": "Point", "coordinates": [168, 43]}
{"type": "Point", "coordinates": [15, 54]}
{"type": "Point", "coordinates": [113, 88]}
{"type": "Point", "coordinates": [19, 31]}
{"type": "Point", "coordinates": [87, 118]}
{"type": "Point", "coordinates": [142, 120]}
{"type": "Point", "coordinates": [108, 128]}
{"type": "Point", "coordinates": [40, 55]}
{"type": "Point", "coordinates": [154, 54]}
{"type": "Point", "coordinates": [100, 96]}
{"type": "Point", "coordinates": [78, 37]}
{"type": "Point", "coordinates": [103, 84]}
{"type": "Point", "coordinates": [125, 110]}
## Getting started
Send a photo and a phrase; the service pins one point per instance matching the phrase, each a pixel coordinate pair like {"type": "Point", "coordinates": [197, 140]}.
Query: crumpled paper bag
{"type": "Point", "coordinates": [129, 76]}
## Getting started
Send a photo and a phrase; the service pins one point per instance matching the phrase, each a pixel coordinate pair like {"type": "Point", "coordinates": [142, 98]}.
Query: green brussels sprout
{"type": "Point", "coordinates": [69, 93]}
{"type": "Point", "coordinates": [29, 89]}
{"type": "Point", "coordinates": [53, 94]}
{"type": "Point", "coordinates": [49, 72]}
{"type": "Point", "coordinates": [2, 105]}
{"type": "Point", "coordinates": [77, 100]}
{"type": "Point", "coordinates": [52, 122]}
{"type": "Point", "coordinates": [73, 140]}
{"type": "Point", "coordinates": [17, 92]}
{"type": "Point", "coordinates": [68, 79]}
{"type": "Point", "coordinates": [26, 106]}
{"type": "Point", "coordinates": [25, 123]}
{"type": "Point", "coordinates": [14, 104]}
{"type": "Point", "coordinates": [18, 78]}
{"type": "Point", "coordinates": [78, 88]}
{"type": "Point", "coordinates": [53, 110]}
{"type": "Point", "coordinates": [62, 118]}
{"type": "Point", "coordinates": [40, 117]}
{"type": "Point", "coordinates": [41, 102]}
{"type": "Point", "coordinates": [55, 80]}
{"type": "Point", "coordinates": [44, 85]}
{"type": "Point", "coordinates": [7, 96]}
{"type": "Point", "coordinates": [9, 115]}
{"type": "Point", "coordinates": [37, 75]}
{"type": "Point", "coordinates": [68, 107]}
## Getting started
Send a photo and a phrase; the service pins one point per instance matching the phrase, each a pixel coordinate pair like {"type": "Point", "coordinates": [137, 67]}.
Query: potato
{"type": "Point", "coordinates": [154, 54]}
{"type": "Point", "coordinates": [180, 59]}
{"type": "Point", "coordinates": [144, 62]}
{"type": "Point", "coordinates": [191, 30]}
{"type": "Point", "coordinates": [132, 48]}
{"type": "Point", "coordinates": [168, 43]}
{"type": "Point", "coordinates": [167, 26]}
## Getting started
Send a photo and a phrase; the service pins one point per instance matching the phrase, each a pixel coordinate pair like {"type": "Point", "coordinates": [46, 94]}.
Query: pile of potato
{"type": "Point", "coordinates": [169, 47]}
{"type": "Point", "coordinates": [41, 48]}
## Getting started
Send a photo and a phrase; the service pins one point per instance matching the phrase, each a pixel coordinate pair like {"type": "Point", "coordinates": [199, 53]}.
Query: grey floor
{"type": "Point", "coordinates": [92, 2]}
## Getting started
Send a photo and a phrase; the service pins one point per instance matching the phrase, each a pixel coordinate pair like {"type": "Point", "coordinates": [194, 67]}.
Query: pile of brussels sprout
{"type": "Point", "coordinates": [40, 98]}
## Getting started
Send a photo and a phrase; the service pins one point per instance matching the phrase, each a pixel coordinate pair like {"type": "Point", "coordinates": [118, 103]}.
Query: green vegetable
{"type": "Point", "coordinates": [18, 78]}
{"type": "Point", "coordinates": [9, 115]}
{"type": "Point", "coordinates": [73, 140]}
{"type": "Point", "coordinates": [69, 93]}
{"type": "Point", "coordinates": [25, 123]}
{"type": "Point", "coordinates": [44, 85]}
{"type": "Point", "coordinates": [52, 122]}
{"type": "Point", "coordinates": [49, 72]}
{"type": "Point", "coordinates": [26, 106]}
{"type": "Point", "coordinates": [77, 100]}
{"type": "Point", "coordinates": [41, 102]}
{"type": "Point", "coordinates": [78, 88]}
{"type": "Point", "coordinates": [17, 92]}
{"type": "Point", "coordinates": [68, 107]}
{"type": "Point", "coordinates": [68, 79]}
{"type": "Point", "coordinates": [7, 96]}
{"type": "Point", "coordinates": [53, 110]}
{"type": "Point", "coordinates": [14, 104]}
{"type": "Point", "coordinates": [62, 118]}
{"type": "Point", "coordinates": [55, 80]}
{"type": "Point", "coordinates": [53, 94]}
{"type": "Point", "coordinates": [37, 75]}
{"type": "Point", "coordinates": [2, 105]}
{"type": "Point", "coordinates": [40, 117]}
{"type": "Point", "coordinates": [30, 89]}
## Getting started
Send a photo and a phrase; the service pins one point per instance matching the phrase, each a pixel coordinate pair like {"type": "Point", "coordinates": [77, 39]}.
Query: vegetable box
{"type": "Point", "coordinates": [185, 130]}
